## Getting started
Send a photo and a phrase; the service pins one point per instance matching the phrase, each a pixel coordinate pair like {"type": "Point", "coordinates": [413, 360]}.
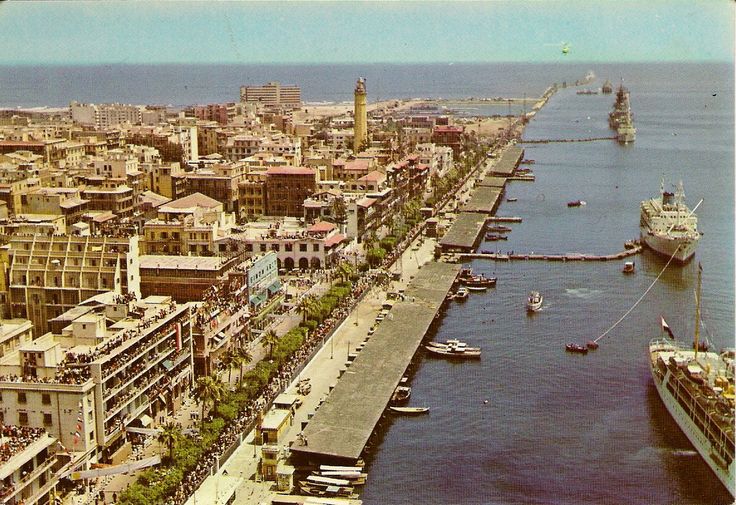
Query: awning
{"type": "Point", "coordinates": [145, 420]}
{"type": "Point", "coordinates": [259, 299]}
{"type": "Point", "coordinates": [168, 365]}
{"type": "Point", "coordinates": [274, 288]}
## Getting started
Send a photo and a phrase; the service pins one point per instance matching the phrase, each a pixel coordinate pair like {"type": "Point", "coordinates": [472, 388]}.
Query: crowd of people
{"type": "Point", "coordinates": [16, 438]}
{"type": "Point", "coordinates": [281, 379]}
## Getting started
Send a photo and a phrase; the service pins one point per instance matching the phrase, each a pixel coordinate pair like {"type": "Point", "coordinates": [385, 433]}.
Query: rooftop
{"type": "Point", "coordinates": [290, 171]}
{"type": "Point", "coordinates": [465, 231]}
{"type": "Point", "coordinates": [193, 200]}
{"type": "Point", "coordinates": [180, 262]}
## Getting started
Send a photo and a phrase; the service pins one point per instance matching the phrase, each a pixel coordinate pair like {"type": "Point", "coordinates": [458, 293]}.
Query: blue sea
{"type": "Point", "coordinates": [556, 428]}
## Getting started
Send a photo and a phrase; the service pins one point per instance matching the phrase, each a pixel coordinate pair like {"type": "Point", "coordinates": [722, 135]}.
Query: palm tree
{"type": "Point", "coordinates": [270, 339]}
{"type": "Point", "coordinates": [227, 362]}
{"type": "Point", "coordinates": [243, 358]}
{"type": "Point", "coordinates": [306, 306]}
{"type": "Point", "coordinates": [208, 389]}
{"type": "Point", "coordinates": [170, 435]}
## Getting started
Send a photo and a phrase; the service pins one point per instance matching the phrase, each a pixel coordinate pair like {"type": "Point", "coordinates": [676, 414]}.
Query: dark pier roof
{"type": "Point", "coordinates": [493, 182]}
{"type": "Point", "coordinates": [341, 427]}
{"type": "Point", "coordinates": [484, 200]}
{"type": "Point", "coordinates": [464, 233]}
{"type": "Point", "coordinates": [510, 159]}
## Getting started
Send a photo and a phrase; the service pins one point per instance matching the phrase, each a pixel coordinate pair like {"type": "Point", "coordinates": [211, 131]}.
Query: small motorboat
{"type": "Point", "coordinates": [581, 349]}
{"type": "Point", "coordinates": [511, 199]}
{"type": "Point", "coordinates": [452, 343]}
{"type": "Point", "coordinates": [534, 301]}
{"type": "Point", "coordinates": [629, 267]}
{"type": "Point", "coordinates": [401, 394]}
{"type": "Point", "coordinates": [576, 203]}
{"type": "Point", "coordinates": [495, 236]}
{"type": "Point", "coordinates": [412, 411]}
{"type": "Point", "coordinates": [462, 294]}
{"type": "Point", "coordinates": [465, 273]}
{"type": "Point", "coordinates": [454, 350]}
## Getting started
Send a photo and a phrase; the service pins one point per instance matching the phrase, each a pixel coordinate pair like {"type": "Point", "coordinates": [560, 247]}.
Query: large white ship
{"type": "Point", "coordinates": [697, 387]}
{"type": "Point", "coordinates": [668, 226]}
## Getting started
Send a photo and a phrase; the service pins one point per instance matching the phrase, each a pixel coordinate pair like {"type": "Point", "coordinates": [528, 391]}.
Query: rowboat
{"type": "Point", "coordinates": [401, 394]}
{"type": "Point", "coordinates": [409, 410]}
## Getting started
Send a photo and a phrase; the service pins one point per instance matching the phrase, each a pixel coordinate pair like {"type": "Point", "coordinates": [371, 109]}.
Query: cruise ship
{"type": "Point", "coordinates": [697, 388]}
{"type": "Point", "coordinates": [668, 226]}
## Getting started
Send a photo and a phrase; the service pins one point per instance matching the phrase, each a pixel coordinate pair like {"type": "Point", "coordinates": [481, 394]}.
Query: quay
{"type": "Point", "coordinates": [492, 181]}
{"type": "Point", "coordinates": [509, 161]}
{"type": "Point", "coordinates": [342, 425]}
{"type": "Point", "coordinates": [551, 257]}
{"type": "Point", "coordinates": [552, 141]}
{"type": "Point", "coordinates": [464, 234]}
{"type": "Point", "coordinates": [485, 200]}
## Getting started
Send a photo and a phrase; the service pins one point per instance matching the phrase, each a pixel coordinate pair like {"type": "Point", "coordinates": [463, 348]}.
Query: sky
{"type": "Point", "coordinates": [151, 32]}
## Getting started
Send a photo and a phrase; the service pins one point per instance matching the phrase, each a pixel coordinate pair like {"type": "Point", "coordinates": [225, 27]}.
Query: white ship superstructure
{"type": "Point", "coordinates": [698, 391]}
{"type": "Point", "coordinates": [668, 226]}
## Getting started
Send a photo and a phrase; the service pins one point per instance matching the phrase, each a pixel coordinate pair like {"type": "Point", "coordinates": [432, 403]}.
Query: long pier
{"type": "Point", "coordinates": [551, 257]}
{"type": "Point", "coordinates": [551, 141]}
{"type": "Point", "coordinates": [343, 424]}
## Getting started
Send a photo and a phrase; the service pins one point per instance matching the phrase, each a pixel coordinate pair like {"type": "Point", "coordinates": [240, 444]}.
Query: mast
{"type": "Point", "coordinates": [697, 310]}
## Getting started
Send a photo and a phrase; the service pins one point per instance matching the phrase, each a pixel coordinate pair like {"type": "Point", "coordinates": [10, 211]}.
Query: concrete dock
{"type": "Point", "coordinates": [484, 200]}
{"type": "Point", "coordinates": [492, 181]}
{"type": "Point", "coordinates": [464, 234]}
{"type": "Point", "coordinates": [342, 425]}
{"type": "Point", "coordinates": [508, 162]}
{"type": "Point", "coordinates": [552, 257]}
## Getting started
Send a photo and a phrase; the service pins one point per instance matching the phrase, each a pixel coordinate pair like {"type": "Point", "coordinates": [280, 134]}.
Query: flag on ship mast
{"type": "Point", "coordinates": [666, 327]}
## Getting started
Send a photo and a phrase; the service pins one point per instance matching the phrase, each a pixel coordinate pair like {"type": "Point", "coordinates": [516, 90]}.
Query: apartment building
{"type": "Point", "coordinates": [27, 465]}
{"type": "Point", "coordinates": [49, 275]}
{"type": "Point", "coordinates": [287, 188]}
{"type": "Point", "coordinates": [105, 115]}
{"type": "Point", "coordinates": [273, 94]}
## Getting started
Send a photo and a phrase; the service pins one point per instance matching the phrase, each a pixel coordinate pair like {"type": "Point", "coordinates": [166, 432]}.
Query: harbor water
{"type": "Point", "coordinates": [562, 428]}
{"type": "Point", "coordinates": [556, 428]}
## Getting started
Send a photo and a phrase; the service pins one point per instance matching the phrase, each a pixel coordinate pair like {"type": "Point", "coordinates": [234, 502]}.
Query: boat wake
{"type": "Point", "coordinates": [583, 292]}
{"type": "Point", "coordinates": [684, 452]}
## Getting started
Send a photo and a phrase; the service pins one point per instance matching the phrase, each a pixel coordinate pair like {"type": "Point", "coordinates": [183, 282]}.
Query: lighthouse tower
{"type": "Point", "coordinates": [360, 116]}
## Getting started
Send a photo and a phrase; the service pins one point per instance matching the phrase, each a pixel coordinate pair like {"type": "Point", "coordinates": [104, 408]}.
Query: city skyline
{"type": "Point", "coordinates": [370, 32]}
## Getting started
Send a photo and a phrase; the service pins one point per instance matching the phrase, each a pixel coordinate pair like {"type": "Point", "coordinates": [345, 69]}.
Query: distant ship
{"type": "Point", "coordinates": [697, 387]}
{"type": "Point", "coordinates": [607, 88]}
{"type": "Point", "coordinates": [668, 226]}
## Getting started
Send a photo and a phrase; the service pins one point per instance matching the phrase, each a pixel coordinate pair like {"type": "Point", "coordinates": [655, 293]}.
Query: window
{"type": "Point", "coordinates": [46, 399]}
{"type": "Point", "coordinates": [47, 419]}
{"type": "Point", "coordinates": [23, 418]}
{"type": "Point", "coordinates": [315, 247]}
{"type": "Point", "coordinates": [21, 397]}
{"type": "Point", "coordinates": [263, 247]}
{"type": "Point", "coordinates": [303, 247]}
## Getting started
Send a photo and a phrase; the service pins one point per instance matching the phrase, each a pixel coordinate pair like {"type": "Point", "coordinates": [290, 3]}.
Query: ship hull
{"type": "Point", "coordinates": [691, 431]}
{"type": "Point", "coordinates": [666, 246]}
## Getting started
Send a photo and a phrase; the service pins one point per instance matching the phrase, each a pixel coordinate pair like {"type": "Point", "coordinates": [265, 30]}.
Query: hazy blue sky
{"type": "Point", "coordinates": [331, 32]}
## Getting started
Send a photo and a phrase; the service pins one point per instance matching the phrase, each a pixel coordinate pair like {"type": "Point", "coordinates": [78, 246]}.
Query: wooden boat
{"type": "Point", "coordinates": [499, 229]}
{"type": "Point", "coordinates": [401, 394]}
{"type": "Point", "coordinates": [575, 203]}
{"type": "Point", "coordinates": [629, 267]}
{"type": "Point", "coordinates": [355, 478]}
{"type": "Point", "coordinates": [495, 236]}
{"type": "Point", "coordinates": [409, 410]}
{"type": "Point", "coordinates": [534, 301]}
{"type": "Point", "coordinates": [478, 281]}
{"type": "Point", "coordinates": [581, 349]}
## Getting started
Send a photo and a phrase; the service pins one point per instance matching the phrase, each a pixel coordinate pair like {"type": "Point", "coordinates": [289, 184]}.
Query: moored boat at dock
{"type": "Point", "coordinates": [491, 237]}
{"type": "Point", "coordinates": [412, 411]}
{"type": "Point", "coordinates": [668, 226]}
{"type": "Point", "coordinates": [697, 388]}
{"type": "Point", "coordinates": [499, 229]}
{"type": "Point", "coordinates": [401, 394]}
{"type": "Point", "coordinates": [453, 349]}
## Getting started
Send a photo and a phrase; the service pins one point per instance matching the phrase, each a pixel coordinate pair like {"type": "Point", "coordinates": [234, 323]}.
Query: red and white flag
{"type": "Point", "coordinates": [666, 327]}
